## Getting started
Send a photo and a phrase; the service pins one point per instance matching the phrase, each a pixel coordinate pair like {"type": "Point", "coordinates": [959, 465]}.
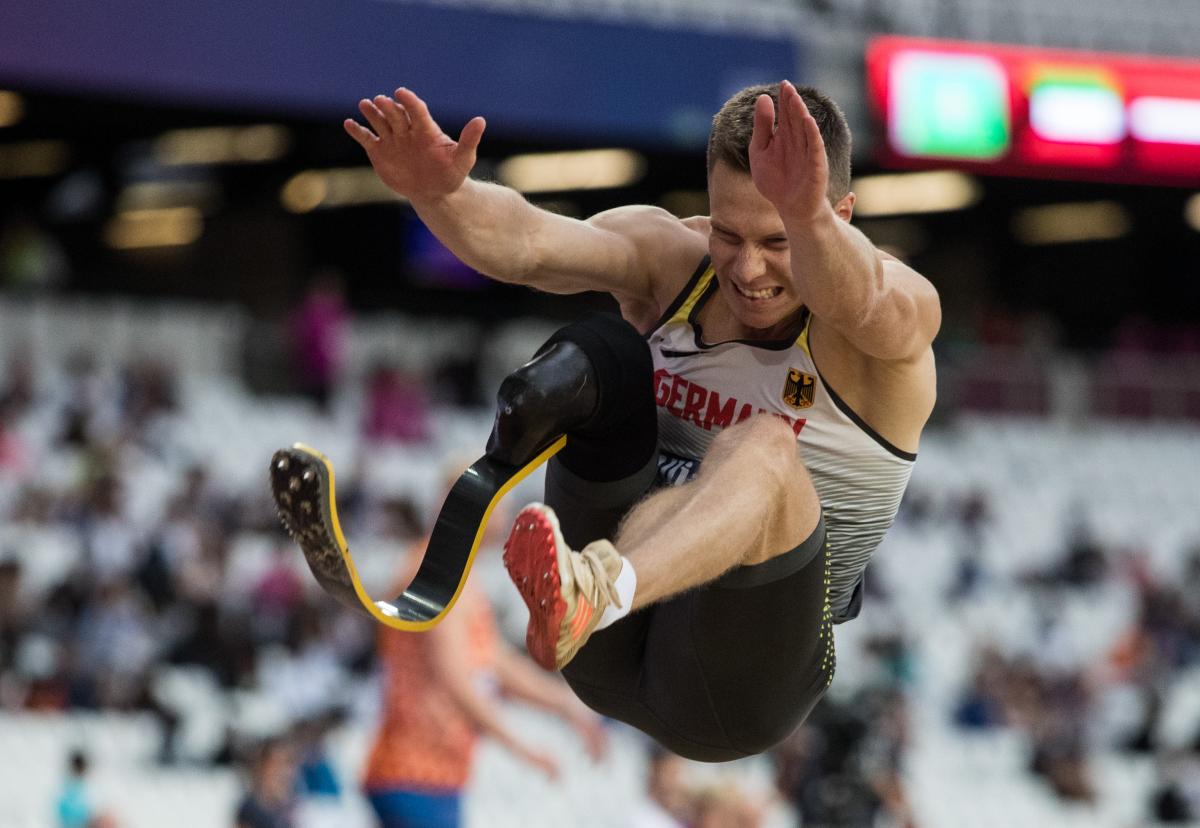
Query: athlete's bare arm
{"type": "Point", "coordinates": [635, 253]}
{"type": "Point", "coordinates": [881, 306]}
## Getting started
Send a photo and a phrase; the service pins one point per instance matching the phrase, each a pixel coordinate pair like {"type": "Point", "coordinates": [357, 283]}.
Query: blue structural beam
{"type": "Point", "coordinates": [527, 74]}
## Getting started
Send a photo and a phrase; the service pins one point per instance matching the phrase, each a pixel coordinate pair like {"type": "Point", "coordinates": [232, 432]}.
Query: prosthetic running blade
{"type": "Point", "coordinates": [302, 483]}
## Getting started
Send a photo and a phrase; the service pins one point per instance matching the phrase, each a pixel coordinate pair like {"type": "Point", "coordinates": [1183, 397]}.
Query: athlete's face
{"type": "Point", "coordinates": [751, 255]}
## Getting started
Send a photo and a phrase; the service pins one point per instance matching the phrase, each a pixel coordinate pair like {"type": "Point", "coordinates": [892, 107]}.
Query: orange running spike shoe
{"type": "Point", "coordinates": [566, 591]}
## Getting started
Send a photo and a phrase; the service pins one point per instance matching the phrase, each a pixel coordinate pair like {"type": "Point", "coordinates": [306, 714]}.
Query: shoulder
{"type": "Point", "coordinates": [668, 250]}
{"type": "Point", "coordinates": [657, 235]}
{"type": "Point", "coordinates": [640, 219]}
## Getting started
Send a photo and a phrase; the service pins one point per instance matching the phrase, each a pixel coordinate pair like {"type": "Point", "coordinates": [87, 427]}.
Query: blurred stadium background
{"type": "Point", "coordinates": [197, 267]}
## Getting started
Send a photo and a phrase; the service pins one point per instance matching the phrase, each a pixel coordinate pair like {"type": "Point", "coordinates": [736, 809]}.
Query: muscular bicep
{"type": "Point", "coordinates": [628, 252]}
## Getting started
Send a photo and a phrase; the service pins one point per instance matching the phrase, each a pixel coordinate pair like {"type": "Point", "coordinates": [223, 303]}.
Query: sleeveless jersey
{"type": "Point", "coordinates": [701, 389]}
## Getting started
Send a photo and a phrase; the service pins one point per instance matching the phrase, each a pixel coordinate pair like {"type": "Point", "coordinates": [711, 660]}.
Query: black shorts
{"type": "Point", "coordinates": [714, 674]}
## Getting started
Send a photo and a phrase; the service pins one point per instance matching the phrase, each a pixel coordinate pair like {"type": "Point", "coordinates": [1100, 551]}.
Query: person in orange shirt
{"type": "Point", "coordinates": [439, 698]}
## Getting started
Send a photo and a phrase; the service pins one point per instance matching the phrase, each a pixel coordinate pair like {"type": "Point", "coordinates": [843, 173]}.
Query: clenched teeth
{"type": "Point", "coordinates": [766, 293]}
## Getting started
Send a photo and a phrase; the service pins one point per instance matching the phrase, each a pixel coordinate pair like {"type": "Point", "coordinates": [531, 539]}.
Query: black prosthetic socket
{"type": "Point", "coordinates": [548, 396]}
{"type": "Point", "coordinates": [592, 381]}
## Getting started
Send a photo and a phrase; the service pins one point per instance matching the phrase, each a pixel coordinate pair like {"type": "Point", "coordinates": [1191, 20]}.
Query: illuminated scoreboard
{"type": "Point", "coordinates": [1011, 110]}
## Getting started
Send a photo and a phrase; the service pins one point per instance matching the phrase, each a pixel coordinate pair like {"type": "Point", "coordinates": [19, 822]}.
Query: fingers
{"type": "Point", "coordinates": [803, 125]}
{"type": "Point", "coordinates": [789, 93]}
{"type": "Point", "coordinates": [764, 123]}
{"type": "Point", "coordinates": [375, 118]}
{"type": "Point", "coordinates": [397, 118]}
{"type": "Point", "coordinates": [418, 112]}
{"type": "Point", "coordinates": [365, 138]}
{"type": "Point", "coordinates": [798, 122]}
{"type": "Point", "coordinates": [812, 132]}
{"type": "Point", "coordinates": [468, 140]}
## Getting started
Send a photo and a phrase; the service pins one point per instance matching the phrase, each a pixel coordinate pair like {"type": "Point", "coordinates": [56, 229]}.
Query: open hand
{"type": "Point", "coordinates": [787, 160]}
{"type": "Point", "coordinates": [591, 730]}
{"type": "Point", "coordinates": [544, 762]}
{"type": "Point", "coordinates": [409, 151]}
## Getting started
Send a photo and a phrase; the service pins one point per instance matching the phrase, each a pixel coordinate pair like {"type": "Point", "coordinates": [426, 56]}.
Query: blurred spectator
{"type": "Point", "coordinates": [982, 705]}
{"type": "Point", "coordinates": [18, 393]}
{"type": "Point", "coordinates": [894, 659]}
{"type": "Point", "coordinates": [306, 675]}
{"type": "Point", "coordinates": [108, 537]}
{"type": "Point", "coordinates": [148, 388]}
{"type": "Point", "coordinates": [1052, 707]}
{"type": "Point", "coordinates": [13, 611]}
{"type": "Point", "coordinates": [669, 802]}
{"type": "Point", "coordinates": [882, 758]}
{"type": "Point", "coordinates": [277, 595]}
{"type": "Point", "coordinates": [16, 460]}
{"type": "Point", "coordinates": [439, 689]}
{"type": "Point", "coordinates": [1060, 752]}
{"type": "Point", "coordinates": [726, 806]}
{"type": "Point", "coordinates": [816, 767]}
{"type": "Point", "coordinates": [75, 806]}
{"type": "Point", "coordinates": [270, 800]}
{"type": "Point", "coordinates": [115, 646]}
{"type": "Point", "coordinates": [90, 411]}
{"type": "Point", "coordinates": [844, 766]}
{"type": "Point", "coordinates": [974, 516]}
{"type": "Point", "coordinates": [318, 328]}
{"type": "Point", "coordinates": [456, 381]}
{"type": "Point", "coordinates": [200, 497]}
{"type": "Point", "coordinates": [1175, 799]}
{"type": "Point", "coordinates": [397, 406]}
{"type": "Point", "coordinates": [317, 776]}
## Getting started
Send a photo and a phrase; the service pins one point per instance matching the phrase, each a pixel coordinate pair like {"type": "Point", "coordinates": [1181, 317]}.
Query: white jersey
{"type": "Point", "coordinates": [701, 388]}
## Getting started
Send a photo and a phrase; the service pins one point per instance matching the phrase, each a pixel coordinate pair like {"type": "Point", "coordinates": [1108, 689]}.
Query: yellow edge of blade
{"type": "Point", "coordinates": [372, 606]}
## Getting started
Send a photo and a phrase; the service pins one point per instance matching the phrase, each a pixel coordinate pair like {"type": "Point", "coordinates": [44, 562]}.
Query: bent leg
{"type": "Point", "coordinates": [592, 380]}
{"type": "Point", "coordinates": [726, 671]}
{"type": "Point", "coordinates": [729, 669]}
{"type": "Point", "coordinates": [752, 501]}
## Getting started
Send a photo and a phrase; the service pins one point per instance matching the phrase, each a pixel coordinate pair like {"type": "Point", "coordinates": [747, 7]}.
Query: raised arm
{"type": "Point", "coordinates": [494, 229]}
{"type": "Point", "coordinates": [881, 306]}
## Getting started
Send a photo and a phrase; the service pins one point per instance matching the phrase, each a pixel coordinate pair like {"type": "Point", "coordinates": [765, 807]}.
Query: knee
{"type": "Point", "coordinates": [767, 442]}
{"type": "Point", "coordinates": [764, 455]}
{"type": "Point", "coordinates": [773, 435]}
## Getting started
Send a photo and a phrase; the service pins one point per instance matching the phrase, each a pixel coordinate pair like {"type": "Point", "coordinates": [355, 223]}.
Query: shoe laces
{"type": "Point", "coordinates": [596, 581]}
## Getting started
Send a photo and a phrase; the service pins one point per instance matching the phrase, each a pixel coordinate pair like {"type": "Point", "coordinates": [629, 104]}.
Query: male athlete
{"type": "Point", "coordinates": [767, 386]}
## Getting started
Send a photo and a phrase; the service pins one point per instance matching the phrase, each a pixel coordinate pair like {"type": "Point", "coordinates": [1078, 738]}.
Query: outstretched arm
{"type": "Point", "coordinates": [449, 642]}
{"type": "Point", "coordinates": [883, 307]}
{"type": "Point", "coordinates": [522, 680]}
{"type": "Point", "coordinates": [493, 228]}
